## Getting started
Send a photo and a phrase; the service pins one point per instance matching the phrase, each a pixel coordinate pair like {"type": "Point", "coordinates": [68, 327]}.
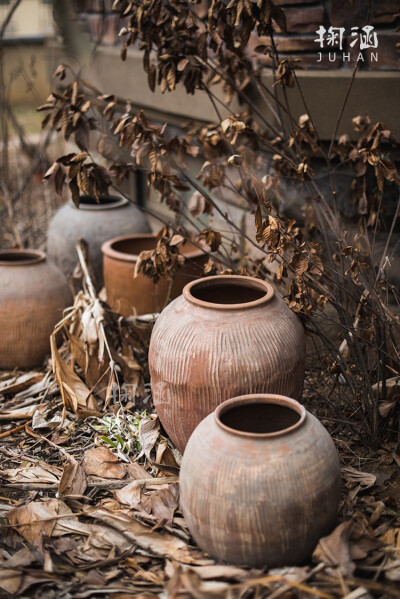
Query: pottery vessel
{"type": "Point", "coordinates": [128, 294]}
{"type": "Point", "coordinates": [260, 482]}
{"type": "Point", "coordinates": [94, 222]}
{"type": "Point", "coordinates": [33, 295]}
{"type": "Point", "coordinates": [225, 336]}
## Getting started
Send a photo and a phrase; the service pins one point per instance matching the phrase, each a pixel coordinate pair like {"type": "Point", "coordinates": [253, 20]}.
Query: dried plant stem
{"type": "Point", "coordinates": [98, 484]}
{"type": "Point", "coordinates": [93, 295]}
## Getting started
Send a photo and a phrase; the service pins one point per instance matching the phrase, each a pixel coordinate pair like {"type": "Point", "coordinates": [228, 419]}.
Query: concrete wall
{"type": "Point", "coordinates": [26, 67]}
{"type": "Point", "coordinates": [33, 18]}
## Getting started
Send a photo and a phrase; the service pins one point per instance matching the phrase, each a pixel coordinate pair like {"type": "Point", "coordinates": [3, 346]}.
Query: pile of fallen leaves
{"type": "Point", "coordinates": [89, 497]}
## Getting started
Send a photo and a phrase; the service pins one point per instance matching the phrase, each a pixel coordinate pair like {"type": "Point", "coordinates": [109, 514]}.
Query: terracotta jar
{"type": "Point", "coordinates": [225, 336]}
{"type": "Point", "coordinates": [260, 482]}
{"type": "Point", "coordinates": [128, 294]}
{"type": "Point", "coordinates": [94, 222]}
{"type": "Point", "coordinates": [33, 295]}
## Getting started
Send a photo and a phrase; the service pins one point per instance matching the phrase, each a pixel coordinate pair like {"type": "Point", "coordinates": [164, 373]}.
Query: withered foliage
{"type": "Point", "coordinates": [325, 264]}
{"type": "Point", "coordinates": [82, 516]}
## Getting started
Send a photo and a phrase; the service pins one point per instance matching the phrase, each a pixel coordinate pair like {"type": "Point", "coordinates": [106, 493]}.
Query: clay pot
{"type": "Point", "coordinates": [33, 295]}
{"type": "Point", "coordinates": [94, 222]}
{"type": "Point", "coordinates": [225, 336]}
{"type": "Point", "coordinates": [128, 294]}
{"type": "Point", "coordinates": [260, 482]}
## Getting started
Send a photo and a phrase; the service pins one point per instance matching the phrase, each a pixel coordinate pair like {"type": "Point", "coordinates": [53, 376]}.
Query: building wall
{"type": "Point", "coordinates": [324, 83]}
{"type": "Point", "coordinates": [33, 18]}
{"type": "Point", "coordinates": [27, 74]}
{"type": "Point", "coordinates": [24, 51]}
{"type": "Point", "coordinates": [304, 17]}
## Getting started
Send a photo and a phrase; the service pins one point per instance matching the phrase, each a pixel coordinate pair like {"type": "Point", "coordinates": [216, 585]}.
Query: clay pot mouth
{"type": "Point", "coordinates": [128, 247]}
{"type": "Point", "coordinates": [87, 202]}
{"type": "Point", "coordinates": [228, 292]}
{"type": "Point", "coordinates": [260, 416]}
{"type": "Point", "coordinates": [21, 257]}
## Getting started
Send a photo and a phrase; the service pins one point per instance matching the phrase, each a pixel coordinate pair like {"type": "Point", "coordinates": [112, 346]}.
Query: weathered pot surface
{"type": "Point", "coordinates": [128, 294]}
{"type": "Point", "coordinates": [260, 482]}
{"type": "Point", "coordinates": [225, 336]}
{"type": "Point", "coordinates": [33, 295]}
{"type": "Point", "coordinates": [95, 222]}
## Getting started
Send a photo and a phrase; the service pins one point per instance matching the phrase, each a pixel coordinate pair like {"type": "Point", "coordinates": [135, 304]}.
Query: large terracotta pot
{"type": "Point", "coordinates": [260, 482]}
{"type": "Point", "coordinates": [128, 294]}
{"type": "Point", "coordinates": [33, 295]}
{"type": "Point", "coordinates": [225, 336]}
{"type": "Point", "coordinates": [94, 222]}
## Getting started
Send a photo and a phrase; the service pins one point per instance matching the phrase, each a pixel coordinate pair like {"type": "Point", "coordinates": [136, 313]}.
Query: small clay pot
{"type": "Point", "coordinates": [33, 295]}
{"type": "Point", "coordinates": [225, 336]}
{"type": "Point", "coordinates": [260, 482]}
{"type": "Point", "coordinates": [95, 222]}
{"type": "Point", "coordinates": [127, 294]}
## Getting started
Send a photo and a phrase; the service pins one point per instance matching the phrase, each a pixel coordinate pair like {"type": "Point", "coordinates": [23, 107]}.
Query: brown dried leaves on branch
{"type": "Point", "coordinates": [165, 260]}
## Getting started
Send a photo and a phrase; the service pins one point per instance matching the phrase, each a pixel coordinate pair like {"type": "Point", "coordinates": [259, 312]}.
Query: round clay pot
{"type": "Point", "coordinates": [94, 222]}
{"type": "Point", "coordinates": [33, 295]}
{"type": "Point", "coordinates": [260, 482]}
{"type": "Point", "coordinates": [127, 294]}
{"type": "Point", "coordinates": [225, 336]}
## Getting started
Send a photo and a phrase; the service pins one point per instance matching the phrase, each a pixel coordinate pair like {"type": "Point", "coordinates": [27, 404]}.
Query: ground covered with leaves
{"type": "Point", "coordinates": [89, 486]}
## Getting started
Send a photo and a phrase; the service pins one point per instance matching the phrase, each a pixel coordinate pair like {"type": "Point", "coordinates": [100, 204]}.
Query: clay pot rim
{"type": "Point", "coordinates": [110, 252]}
{"type": "Point", "coordinates": [229, 279]}
{"type": "Point", "coordinates": [32, 257]}
{"type": "Point", "coordinates": [269, 398]}
{"type": "Point", "coordinates": [119, 202]}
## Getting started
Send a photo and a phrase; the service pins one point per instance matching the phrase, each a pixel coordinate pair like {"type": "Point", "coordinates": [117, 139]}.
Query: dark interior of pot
{"type": "Point", "coordinates": [103, 200]}
{"type": "Point", "coordinates": [134, 245]}
{"type": "Point", "coordinates": [226, 293]}
{"type": "Point", "coordinates": [25, 257]}
{"type": "Point", "coordinates": [259, 418]}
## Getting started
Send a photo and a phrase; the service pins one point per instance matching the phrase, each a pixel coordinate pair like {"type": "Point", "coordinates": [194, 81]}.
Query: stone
{"type": "Point", "coordinates": [344, 14]}
{"type": "Point", "coordinates": [304, 19]}
{"type": "Point", "coordinates": [386, 11]}
{"type": "Point", "coordinates": [388, 53]}
{"type": "Point", "coordinates": [283, 43]}
{"type": "Point", "coordinates": [296, 44]}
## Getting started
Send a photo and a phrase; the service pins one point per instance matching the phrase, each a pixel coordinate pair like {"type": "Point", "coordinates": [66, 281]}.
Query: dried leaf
{"type": "Point", "coordinates": [73, 479]}
{"type": "Point", "coordinates": [197, 204]}
{"type": "Point", "coordinates": [33, 474]}
{"type": "Point", "coordinates": [164, 545]}
{"type": "Point", "coordinates": [18, 383]}
{"type": "Point", "coordinates": [100, 461]}
{"type": "Point", "coordinates": [148, 435]}
{"type": "Point", "coordinates": [334, 550]}
{"type": "Point", "coordinates": [131, 495]}
{"type": "Point", "coordinates": [19, 413]}
{"type": "Point", "coordinates": [39, 421]}
{"type": "Point", "coordinates": [364, 479]}
{"type": "Point", "coordinates": [38, 518]}
{"type": "Point", "coordinates": [74, 392]}
{"type": "Point", "coordinates": [164, 502]}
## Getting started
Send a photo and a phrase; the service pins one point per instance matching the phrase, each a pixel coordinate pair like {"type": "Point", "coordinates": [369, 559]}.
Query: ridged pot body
{"type": "Point", "coordinates": [94, 223]}
{"type": "Point", "coordinates": [200, 356]}
{"type": "Point", "coordinates": [128, 294]}
{"type": "Point", "coordinates": [260, 502]}
{"type": "Point", "coordinates": [32, 300]}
